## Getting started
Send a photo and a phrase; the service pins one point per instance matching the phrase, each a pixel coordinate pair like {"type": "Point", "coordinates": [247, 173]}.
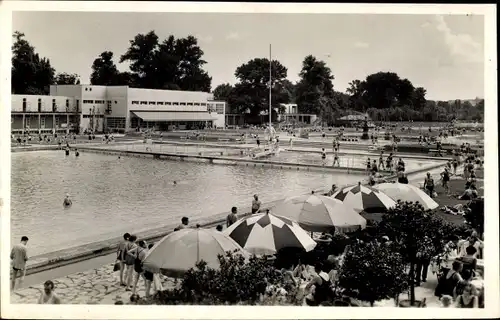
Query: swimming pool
{"type": "Point", "coordinates": [112, 196]}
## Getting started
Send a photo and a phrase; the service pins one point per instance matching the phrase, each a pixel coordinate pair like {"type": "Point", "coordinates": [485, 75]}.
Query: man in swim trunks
{"type": "Point", "coordinates": [231, 217]}
{"type": "Point", "coordinates": [323, 156]}
{"type": "Point", "coordinates": [336, 157]}
{"type": "Point", "coordinates": [19, 256]}
{"type": "Point", "coordinates": [381, 161]}
{"type": "Point", "coordinates": [255, 204]}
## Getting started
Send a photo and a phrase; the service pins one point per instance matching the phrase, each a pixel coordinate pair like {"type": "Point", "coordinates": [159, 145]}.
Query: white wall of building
{"type": "Point", "coordinates": [117, 101]}
{"type": "Point", "coordinates": [46, 103]}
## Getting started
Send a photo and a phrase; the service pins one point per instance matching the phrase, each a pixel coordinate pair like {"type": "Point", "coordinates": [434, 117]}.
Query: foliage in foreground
{"type": "Point", "coordinates": [236, 282]}
{"type": "Point", "coordinates": [373, 272]}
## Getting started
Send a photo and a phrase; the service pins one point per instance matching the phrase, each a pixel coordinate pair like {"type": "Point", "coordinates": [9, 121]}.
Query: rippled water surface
{"type": "Point", "coordinates": [112, 196]}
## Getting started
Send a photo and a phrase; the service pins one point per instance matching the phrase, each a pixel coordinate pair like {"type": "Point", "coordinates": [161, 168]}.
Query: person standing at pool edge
{"type": "Point", "coordinates": [19, 256]}
{"type": "Point", "coordinates": [231, 218]}
{"type": "Point", "coordinates": [255, 204]}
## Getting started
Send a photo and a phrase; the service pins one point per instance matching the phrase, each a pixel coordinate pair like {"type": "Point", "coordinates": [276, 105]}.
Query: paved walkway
{"type": "Point", "coordinates": [95, 286]}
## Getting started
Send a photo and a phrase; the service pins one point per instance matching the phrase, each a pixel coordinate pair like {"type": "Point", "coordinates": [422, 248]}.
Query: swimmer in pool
{"type": "Point", "coordinates": [67, 201]}
{"type": "Point", "coordinates": [175, 182]}
{"type": "Point", "coordinates": [77, 153]}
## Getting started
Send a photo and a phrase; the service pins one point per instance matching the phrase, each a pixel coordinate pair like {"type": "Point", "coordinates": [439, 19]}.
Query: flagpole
{"type": "Point", "coordinates": [270, 86]}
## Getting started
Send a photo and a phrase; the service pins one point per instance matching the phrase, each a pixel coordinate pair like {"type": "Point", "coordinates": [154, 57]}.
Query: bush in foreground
{"type": "Point", "coordinates": [236, 282]}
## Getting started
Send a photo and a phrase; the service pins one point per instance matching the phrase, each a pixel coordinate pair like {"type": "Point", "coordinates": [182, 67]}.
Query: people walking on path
{"type": "Point", "coordinates": [19, 257]}
{"type": "Point", "coordinates": [139, 253]}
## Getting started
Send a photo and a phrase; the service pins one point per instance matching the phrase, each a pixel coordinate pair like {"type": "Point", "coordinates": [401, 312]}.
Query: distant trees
{"type": "Point", "coordinates": [31, 74]}
{"type": "Point", "coordinates": [67, 78]}
{"type": "Point", "coordinates": [174, 64]}
{"type": "Point", "coordinates": [105, 72]}
{"type": "Point", "coordinates": [250, 94]}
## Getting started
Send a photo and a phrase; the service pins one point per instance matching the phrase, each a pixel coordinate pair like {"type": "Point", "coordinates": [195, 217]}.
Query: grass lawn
{"type": "Point", "coordinates": [456, 187]}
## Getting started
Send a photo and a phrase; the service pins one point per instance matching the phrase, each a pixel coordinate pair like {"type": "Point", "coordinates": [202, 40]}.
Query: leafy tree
{"type": "Point", "coordinates": [415, 230]}
{"type": "Point", "coordinates": [105, 72]}
{"type": "Point", "coordinates": [418, 98]}
{"type": "Point", "coordinates": [171, 64]}
{"type": "Point", "coordinates": [66, 78]}
{"type": "Point", "coordinates": [223, 92]}
{"type": "Point", "coordinates": [251, 93]}
{"type": "Point", "coordinates": [30, 73]}
{"type": "Point", "coordinates": [314, 91]}
{"type": "Point", "coordinates": [373, 272]}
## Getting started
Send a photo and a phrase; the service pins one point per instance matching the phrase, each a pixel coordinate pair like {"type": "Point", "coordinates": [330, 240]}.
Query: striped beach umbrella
{"type": "Point", "coordinates": [183, 249]}
{"type": "Point", "coordinates": [364, 199]}
{"type": "Point", "coordinates": [317, 213]}
{"type": "Point", "coordinates": [265, 234]}
{"type": "Point", "coordinates": [407, 192]}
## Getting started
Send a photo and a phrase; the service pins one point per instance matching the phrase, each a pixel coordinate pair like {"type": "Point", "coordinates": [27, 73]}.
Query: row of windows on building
{"type": "Point", "coordinates": [54, 105]}
{"type": "Point", "coordinates": [166, 103]}
{"type": "Point", "coordinates": [98, 101]}
{"type": "Point", "coordinates": [27, 121]}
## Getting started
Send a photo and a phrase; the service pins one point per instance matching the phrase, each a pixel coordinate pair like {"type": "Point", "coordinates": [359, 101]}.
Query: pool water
{"type": "Point", "coordinates": [112, 196]}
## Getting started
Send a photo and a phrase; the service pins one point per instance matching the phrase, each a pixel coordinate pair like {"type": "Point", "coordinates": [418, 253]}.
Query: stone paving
{"type": "Point", "coordinates": [96, 286]}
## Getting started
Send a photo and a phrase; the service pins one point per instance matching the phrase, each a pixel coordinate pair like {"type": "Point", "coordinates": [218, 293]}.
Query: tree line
{"type": "Point", "coordinates": [177, 64]}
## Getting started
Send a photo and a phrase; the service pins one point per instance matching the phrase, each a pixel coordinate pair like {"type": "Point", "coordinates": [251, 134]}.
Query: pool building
{"type": "Point", "coordinates": [71, 108]}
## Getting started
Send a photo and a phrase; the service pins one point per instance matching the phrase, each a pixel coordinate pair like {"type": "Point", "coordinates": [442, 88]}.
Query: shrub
{"type": "Point", "coordinates": [415, 230]}
{"type": "Point", "coordinates": [372, 272]}
{"type": "Point", "coordinates": [236, 282]}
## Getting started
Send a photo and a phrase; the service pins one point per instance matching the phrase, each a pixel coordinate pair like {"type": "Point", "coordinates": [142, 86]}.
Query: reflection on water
{"type": "Point", "coordinates": [112, 196]}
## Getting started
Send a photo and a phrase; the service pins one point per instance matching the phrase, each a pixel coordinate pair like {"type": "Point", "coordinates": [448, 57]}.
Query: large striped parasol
{"type": "Point", "coordinates": [407, 192]}
{"type": "Point", "coordinates": [317, 213]}
{"type": "Point", "coordinates": [364, 199]}
{"type": "Point", "coordinates": [183, 249]}
{"type": "Point", "coordinates": [265, 234]}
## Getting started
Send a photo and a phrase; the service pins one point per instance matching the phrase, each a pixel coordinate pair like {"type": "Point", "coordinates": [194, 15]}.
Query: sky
{"type": "Point", "coordinates": [444, 54]}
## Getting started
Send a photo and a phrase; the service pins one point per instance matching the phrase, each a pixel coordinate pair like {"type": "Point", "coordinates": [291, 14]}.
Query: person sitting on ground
{"type": "Point", "coordinates": [472, 240]}
{"type": "Point", "coordinates": [231, 217]}
{"type": "Point", "coordinates": [469, 194]}
{"type": "Point", "coordinates": [466, 293]}
{"type": "Point", "coordinates": [48, 296]}
{"type": "Point", "coordinates": [371, 179]}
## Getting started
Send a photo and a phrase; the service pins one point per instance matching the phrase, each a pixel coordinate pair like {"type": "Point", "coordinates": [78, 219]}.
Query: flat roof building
{"type": "Point", "coordinates": [115, 108]}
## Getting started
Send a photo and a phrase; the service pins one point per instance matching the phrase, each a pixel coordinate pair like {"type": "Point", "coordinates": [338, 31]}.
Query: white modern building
{"type": "Point", "coordinates": [292, 115]}
{"type": "Point", "coordinates": [115, 108]}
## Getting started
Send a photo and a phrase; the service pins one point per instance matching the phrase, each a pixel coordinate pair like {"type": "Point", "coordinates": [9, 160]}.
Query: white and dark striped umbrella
{"type": "Point", "coordinates": [181, 250]}
{"type": "Point", "coordinates": [363, 198]}
{"type": "Point", "coordinates": [317, 213]}
{"type": "Point", "coordinates": [407, 192]}
{"type": "Point", "coordinates": [265, 234]}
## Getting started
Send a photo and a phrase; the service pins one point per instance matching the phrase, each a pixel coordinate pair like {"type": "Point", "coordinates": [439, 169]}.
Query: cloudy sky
{"type": "Point", "coordinates": [444, 54]}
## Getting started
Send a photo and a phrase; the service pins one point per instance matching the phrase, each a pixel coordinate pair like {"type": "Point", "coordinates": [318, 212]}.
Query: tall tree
{"type": "Point", "coordinates": [314, 91]}
{"type": "Point", "coordinates": [67, 78]}
{"type": "Point", "coordinates": [30, 73]}
{"type": "Point", "coordinates": [251, 93]}
{"type": "Point", "coordinates": [105, 72]}
{"type": "Point", "coordinates": [171, 64]}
